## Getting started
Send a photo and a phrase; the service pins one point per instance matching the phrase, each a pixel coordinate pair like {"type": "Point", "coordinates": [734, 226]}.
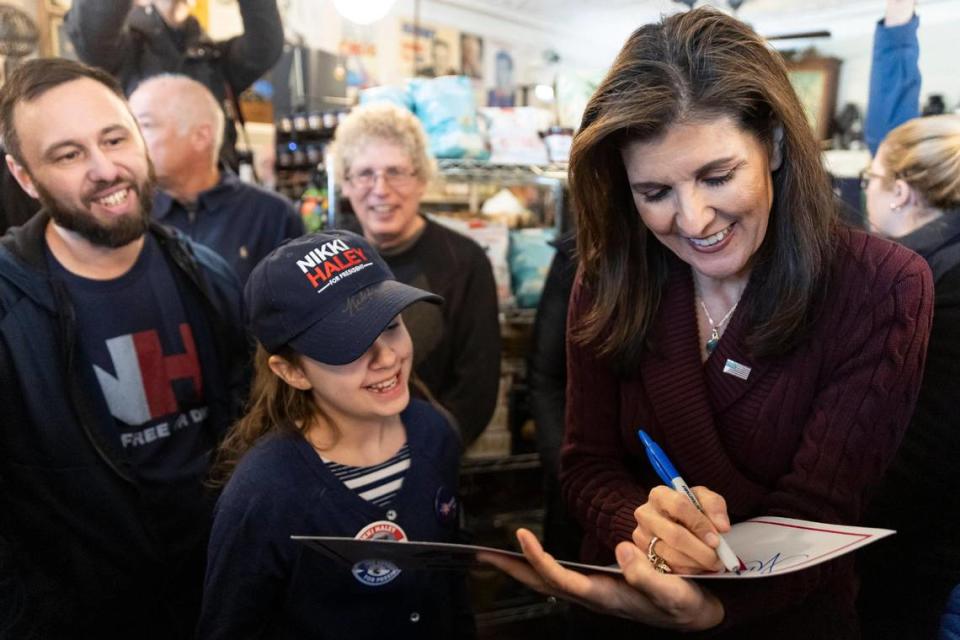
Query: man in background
{"type": "Point", "coordinates": [160, 36]}
{"type": "Point", "coordinates": [241, 222]}
{"type": "Point", "coordinates": [122, 363]}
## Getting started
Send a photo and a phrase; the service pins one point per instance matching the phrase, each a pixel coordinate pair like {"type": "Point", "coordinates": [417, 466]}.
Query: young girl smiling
{"type": "Point", "coordinates": [332, 445]}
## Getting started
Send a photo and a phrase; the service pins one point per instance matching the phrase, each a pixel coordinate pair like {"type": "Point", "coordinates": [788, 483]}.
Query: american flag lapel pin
{"type": "Point", "coordinates": [736, 369]}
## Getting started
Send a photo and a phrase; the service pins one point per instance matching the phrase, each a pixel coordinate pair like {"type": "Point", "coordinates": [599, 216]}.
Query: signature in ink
{"type": "Point", "coordinates": [778, 560]}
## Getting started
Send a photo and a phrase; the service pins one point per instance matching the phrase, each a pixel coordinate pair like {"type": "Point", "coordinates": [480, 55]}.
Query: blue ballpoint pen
{"type": "Point", "coordinates": [668, 473]}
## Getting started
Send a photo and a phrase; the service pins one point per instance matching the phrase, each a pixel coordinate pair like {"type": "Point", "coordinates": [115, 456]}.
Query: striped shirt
{"type": "Point", "coordinates": [378, 484]}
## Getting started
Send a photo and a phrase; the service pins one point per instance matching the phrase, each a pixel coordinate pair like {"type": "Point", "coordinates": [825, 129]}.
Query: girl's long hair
{"type": "Point", "coordinates": [274, 406]}
{"type": "Point", "coordinates": [696, 66]}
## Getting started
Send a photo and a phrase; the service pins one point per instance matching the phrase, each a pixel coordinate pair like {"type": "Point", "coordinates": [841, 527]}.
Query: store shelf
{"type": "Point", "coordinates": [504, 174]}
{"type": "Point", "coordinates": [518, 316]}
{"type": "Point", "coordinates": [445, 199]}
{"type": "Point", "coordinates": [478, 174]}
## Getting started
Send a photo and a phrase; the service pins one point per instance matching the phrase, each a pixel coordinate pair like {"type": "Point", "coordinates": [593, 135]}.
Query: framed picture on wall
{"type": "Point", "coordinates": [815, 79]}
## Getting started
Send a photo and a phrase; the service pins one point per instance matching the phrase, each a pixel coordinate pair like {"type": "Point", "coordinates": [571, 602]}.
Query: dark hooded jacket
{"type": "Point", "coordinates": [81, 553]}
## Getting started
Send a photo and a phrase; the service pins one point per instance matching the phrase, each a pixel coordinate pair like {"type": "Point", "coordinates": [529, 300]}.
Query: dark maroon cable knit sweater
{"type": "Point", "coordinates": [805, 436]}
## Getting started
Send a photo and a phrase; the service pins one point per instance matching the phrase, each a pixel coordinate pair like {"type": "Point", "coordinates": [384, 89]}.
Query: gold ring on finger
{"type": "Point", "coordinates": [655, 559]}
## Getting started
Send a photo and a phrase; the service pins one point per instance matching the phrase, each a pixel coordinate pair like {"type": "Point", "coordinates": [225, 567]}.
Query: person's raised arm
{"type": "Point", "coordinates": [255, 51]}
{"type": "Point", "coordinates": [894, 94]}
{"type": "Point", "coordinates": [99, 32]}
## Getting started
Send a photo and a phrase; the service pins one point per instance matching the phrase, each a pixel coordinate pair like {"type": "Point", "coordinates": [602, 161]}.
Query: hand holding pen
{"type": "Point", "coordinates": [680, 526]}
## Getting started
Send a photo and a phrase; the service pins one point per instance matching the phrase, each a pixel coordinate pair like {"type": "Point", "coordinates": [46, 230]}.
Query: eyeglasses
{"type": "Point", "coordinates": [866, 175]}
{"type": "Point", "coordinates": [395, 177]}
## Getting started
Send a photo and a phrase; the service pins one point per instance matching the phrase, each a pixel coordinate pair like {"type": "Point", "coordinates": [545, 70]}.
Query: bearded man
{"type": "Point", "coordinates": [121, 366]}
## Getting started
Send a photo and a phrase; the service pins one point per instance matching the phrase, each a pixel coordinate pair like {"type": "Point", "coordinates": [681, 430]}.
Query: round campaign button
{"type": "Point", "coordinates": [375, 572]}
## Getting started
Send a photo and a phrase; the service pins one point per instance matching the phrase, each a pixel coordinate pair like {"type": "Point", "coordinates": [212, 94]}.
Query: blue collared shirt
{"type": "Point", "coordinates": [241, 222]}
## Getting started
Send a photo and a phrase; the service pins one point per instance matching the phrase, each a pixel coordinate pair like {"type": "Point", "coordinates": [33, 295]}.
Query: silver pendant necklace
{"type": "Point", "coordinates": [716, 327]}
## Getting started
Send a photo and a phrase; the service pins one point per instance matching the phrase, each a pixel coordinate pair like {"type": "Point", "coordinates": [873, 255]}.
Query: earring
{"type": "Point", "coordinates": [895, 207]}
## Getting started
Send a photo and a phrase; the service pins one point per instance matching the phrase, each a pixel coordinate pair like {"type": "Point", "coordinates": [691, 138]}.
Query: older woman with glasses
{"type": "Point", "coordinates": [383, 165]}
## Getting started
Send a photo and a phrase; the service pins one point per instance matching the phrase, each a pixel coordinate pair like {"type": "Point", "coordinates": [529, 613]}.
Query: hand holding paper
{"type": "Point", "coordinates": [653, 598]}
{"type": "Point", "coordinates": [768, 546]}
{"type": "Point", "coordinates": [772, 545]}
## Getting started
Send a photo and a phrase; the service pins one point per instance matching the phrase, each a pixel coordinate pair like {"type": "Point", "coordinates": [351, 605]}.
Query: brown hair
{"type": "Point", "coordinates": [34, 78]}
{"type": "Point", "coordinates": [692, 66]}
{"type": "Point", "coordinates": [274, 406]}
{"type": "Point", "coordinates": [925, 152]}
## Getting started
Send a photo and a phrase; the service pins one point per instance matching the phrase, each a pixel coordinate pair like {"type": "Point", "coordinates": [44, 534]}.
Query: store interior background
{"type": "Point", "coordinates": [587, 35]}
{"type": "Point", "coordinates": [551, 42]}
{"type": "Point", "coordinates": [561, 42]}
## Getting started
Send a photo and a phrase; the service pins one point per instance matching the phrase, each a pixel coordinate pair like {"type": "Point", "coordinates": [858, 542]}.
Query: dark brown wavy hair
{"type": "Point", "coordinates": [695, 67]}
{"type": "Point", "coordinates": [274, 406]}
{"type": "Point", "coordinates": [31, 80]}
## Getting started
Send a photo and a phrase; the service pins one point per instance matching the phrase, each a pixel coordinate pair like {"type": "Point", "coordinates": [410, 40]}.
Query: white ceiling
{"type": "Point", "coordinates": [594, 29]}
{"type": "Point", "coordinates": [561, 12]}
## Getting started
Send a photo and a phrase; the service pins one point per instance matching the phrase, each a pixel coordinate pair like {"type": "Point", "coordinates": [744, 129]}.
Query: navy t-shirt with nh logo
{"type": "Point", "coordinates": [149, 361]}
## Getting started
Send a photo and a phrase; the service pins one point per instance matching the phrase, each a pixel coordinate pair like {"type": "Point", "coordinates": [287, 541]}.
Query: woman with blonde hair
{"type": "Point", "coordinates": [912, 192]}
{"type": "Point", "coordinates": [914, 180]}
{"type": "Point", "coordinates": [720, 307]}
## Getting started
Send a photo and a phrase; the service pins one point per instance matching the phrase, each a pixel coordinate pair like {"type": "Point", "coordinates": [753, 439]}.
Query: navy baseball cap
{"type": "Point", "coordinates": [327, 295]}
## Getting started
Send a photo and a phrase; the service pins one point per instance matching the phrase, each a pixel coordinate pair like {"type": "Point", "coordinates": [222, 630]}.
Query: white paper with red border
{"type": "Point", "coordinates": [769, 546]}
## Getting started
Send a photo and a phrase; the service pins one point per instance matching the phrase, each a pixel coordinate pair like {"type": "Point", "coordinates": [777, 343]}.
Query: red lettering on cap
{"type": "Point", "coordinates": [322, 273]}
{"type": "Point", "coordinates": [351, 257]}
{"type": "Point", "coordinates": [332, 266]}
{"type": "Point", "coordinates": [355, 256]}
{"type": "Point", "coordinates": [317, 277]}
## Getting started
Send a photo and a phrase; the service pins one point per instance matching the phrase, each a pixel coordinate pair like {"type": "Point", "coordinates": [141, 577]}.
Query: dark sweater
{"type": "Point", "coordinates": [804, 436]}
{"type": "Point", "coordinates": [919, 494]}
{"type": "Point", "coordinates": [262, 584]}
{"type": "Point", "coordinates": [457, 345]}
